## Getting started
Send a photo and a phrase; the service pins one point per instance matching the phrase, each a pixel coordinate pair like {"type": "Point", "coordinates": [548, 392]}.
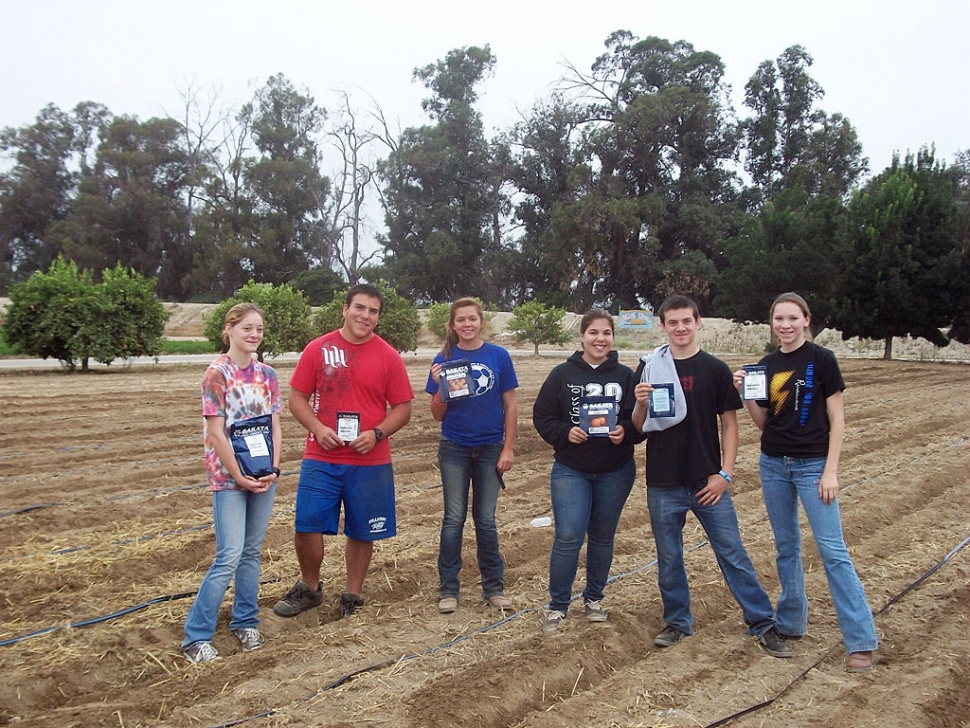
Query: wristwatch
{"type": "Point", "coordinates": [378, 434]}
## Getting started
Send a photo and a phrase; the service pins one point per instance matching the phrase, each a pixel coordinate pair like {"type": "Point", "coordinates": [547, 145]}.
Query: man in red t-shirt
{"type": "Point", "coordinates": [351, 391]}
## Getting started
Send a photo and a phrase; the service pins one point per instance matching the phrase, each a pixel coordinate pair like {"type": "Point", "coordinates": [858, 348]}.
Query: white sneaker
{"type": "Point", "coordinates": [200, 651]}
{"type": "Point", "coordinates": [595, 612]}
{"type": "Point", "coordinates": [249, 638]}
{"type": "Point", "coordinates": [552, 620]}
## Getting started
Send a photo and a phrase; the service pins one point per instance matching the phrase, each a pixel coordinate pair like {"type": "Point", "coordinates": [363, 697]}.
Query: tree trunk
{"type": "Point", "coordinates": [535, 351]}
{"type": "Point", "coordinates": [887, 353]}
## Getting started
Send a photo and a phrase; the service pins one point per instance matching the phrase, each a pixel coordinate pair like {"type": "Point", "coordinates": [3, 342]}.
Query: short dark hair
{"type": "Point", "coordinates": [678, 301]}
{"type": "Point", "coordinates": [368, 290]}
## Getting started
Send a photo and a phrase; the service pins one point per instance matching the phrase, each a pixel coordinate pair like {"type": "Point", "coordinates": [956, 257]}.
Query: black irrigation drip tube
{"type": "Point", "coordinates": [431, 650]}
{"type": "Point", "coordinates": [798, 678]}
{"type": "Point", "coordinates": [127, 496]}
{"type": "Point", "coordinates": [113, 615]}
{"type": "Point", "coordinates": [96, 620]}
{"type": "Point", "coordinates": [25, 509]}
{"type": "Point", "coordinates": [723, 721]}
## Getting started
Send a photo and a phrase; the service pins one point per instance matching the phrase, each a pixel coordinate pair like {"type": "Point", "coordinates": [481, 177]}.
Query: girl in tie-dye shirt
{"type": "Point", "coordinates": [235, 387]}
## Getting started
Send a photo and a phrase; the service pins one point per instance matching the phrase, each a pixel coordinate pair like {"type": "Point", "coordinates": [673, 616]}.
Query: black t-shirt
{"type": "Point", "coordinates": [690, 451]}
{"type": "Point", "coordinates": [798, 385]}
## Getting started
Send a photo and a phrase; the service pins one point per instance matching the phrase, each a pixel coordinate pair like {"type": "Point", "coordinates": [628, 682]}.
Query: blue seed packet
{"type": "Point", "coordinates": [456, 380]}
{"type": "Point", "coordinates": [597, 415]}
{"type": "Point", "coordinates": [662, 403]}
{"type": "Point", "coordinates": [252, 442]}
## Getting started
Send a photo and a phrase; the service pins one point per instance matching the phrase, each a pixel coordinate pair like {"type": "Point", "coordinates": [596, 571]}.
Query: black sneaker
{"type": "Point", "coordinates": [349, 604]}
{"type": "Point", "coordinates": [670, 636]}
{"type": "Point", "coordinates": [775, 645]}
{"type": "Point", "coordinates": [299, 599]}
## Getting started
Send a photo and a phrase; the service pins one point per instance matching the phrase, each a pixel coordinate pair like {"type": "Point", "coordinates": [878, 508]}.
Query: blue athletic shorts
{"type": "Point", "coordinates": [367, 494]}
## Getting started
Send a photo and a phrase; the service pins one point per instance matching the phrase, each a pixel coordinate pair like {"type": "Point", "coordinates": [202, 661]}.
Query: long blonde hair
{"type": "Point", "coordinates": [236, 314]}
{"type": "Point", "coordinates": [451, 336]}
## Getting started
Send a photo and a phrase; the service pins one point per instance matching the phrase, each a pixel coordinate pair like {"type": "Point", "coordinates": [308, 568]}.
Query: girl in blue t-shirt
{"type": "Point", "coordinates": [476, 448]}
{"type": "Point", "coordinates": [802, 424]}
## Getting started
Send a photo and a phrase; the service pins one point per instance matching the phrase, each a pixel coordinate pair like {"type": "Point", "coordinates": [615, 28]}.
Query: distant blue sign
{"type": "Point", "coordinates": [636, 319]}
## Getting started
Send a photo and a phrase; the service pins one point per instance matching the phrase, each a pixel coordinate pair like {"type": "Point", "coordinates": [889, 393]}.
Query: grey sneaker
{"type": "Point", "coordinates": [775, 645]}
{"type": "Point", "coordinates": [299, 599]}
{"type": "Point", "coordinates": [669, 636]}
{"type": "Point", "coordinates": [200, 651]}
{"type": "Point", "coordinates": [249, 638]}
{"type": "Point", "coordinates": [552, 621]}
{"type": "Point", "coordinates": [349, 603]}
{"type": "Point", "coordinates": [595, 612]}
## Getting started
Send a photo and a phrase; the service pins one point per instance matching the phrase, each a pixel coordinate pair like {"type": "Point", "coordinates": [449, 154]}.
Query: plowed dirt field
{"type": "Point", "coordinates": [104, 517]}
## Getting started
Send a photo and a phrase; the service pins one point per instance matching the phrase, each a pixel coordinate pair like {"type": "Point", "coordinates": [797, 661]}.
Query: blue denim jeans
{"type": "Point", "coordinates": [668, 513]}
{"type": "Point", "coordinates": [785, 481]}
{"type": "Point", "coordinates": [462, 467]}
{"type": "Point", "coordinates": [239, 520]}
{"type": "Point", "coordinates": [585, 506]}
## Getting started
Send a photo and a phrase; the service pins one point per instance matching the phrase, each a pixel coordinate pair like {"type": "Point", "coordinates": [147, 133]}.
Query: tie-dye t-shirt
{"type": "Point", "coordinates": [236, 394]}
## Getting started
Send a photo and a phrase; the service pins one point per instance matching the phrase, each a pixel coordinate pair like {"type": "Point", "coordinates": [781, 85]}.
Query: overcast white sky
{"type": "Point", "coordinates": [899, 70]}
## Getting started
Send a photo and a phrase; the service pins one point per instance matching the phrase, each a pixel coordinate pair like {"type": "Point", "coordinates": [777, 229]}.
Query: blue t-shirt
{"type": "Point", "coordinates": [479, 420]}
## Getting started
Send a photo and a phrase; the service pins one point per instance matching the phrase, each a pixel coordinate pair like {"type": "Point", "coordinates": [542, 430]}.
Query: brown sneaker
{"type": "Point", "coordinates": [859, 662]}
{"type": "Point", "coordinates": [447, 605]}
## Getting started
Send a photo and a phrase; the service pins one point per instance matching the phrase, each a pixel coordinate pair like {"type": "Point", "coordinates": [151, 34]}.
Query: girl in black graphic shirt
{"type": "Point", "coordinates": [802, 424]}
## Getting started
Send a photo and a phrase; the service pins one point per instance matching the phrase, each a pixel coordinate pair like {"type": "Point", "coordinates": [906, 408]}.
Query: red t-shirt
{"type": "Point", "coordinates": [345, 377]}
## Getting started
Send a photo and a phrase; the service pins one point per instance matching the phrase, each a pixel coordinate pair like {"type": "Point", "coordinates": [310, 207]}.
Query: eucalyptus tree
{"type": "Point", "coordinates": [439, 187]}
{"type": "Point", "coordinates": [289, 230]}
{"type": "Point", "coordinates": [656, 194]}
{"type": "Point", "coordinates": [130, 206]}
{"type": "Point", "coordinates": [47, 159]}
{"type": "Point", "coordinates": [803, 163]}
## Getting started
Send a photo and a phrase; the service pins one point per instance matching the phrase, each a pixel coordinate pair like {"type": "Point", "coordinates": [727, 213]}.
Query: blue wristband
{"type": "Point", "coordinates": [724, 475]}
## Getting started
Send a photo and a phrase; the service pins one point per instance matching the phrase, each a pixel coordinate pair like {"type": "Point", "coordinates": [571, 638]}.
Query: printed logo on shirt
{"type": "Point", "coordinates": [333, 357]}
{"type": "Point", "coordinates": [378, 525]}
{"type": "Point", "coordinates": [778, 394]}
{"type": "Point", "coordinates": [687, 384]}
{"type": "Point", "coordinates": [592, 389]}
{"type": "Point", "coordinates": [483, 376]}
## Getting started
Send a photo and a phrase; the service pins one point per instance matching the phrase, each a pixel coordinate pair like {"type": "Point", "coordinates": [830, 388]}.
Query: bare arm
{"type": "Point", "coordinates": [758, 414]}
{"type": "Point", "coordinates": [511, 425]}
{"type": "Point", "coordinates": [642, 393]}
{"type": "Point", "coordinates": [438, 408]}
{"type": "Point", "coordinates": [828, 484]}
{"type": "Point", "coordinates": [717, 484]}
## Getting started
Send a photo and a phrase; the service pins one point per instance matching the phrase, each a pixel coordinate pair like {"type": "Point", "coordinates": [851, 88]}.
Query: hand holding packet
{"type": "Point", "coordinates": [348, 426]}
{"type": "Point", "coordinates": [597, 415]}
{"type": "Point", "coordinates": [755, 382]}
{"type": "Point", "coordinates": [252, 444]}
{"type": "Point", "coordinates": [455, 381]}
{"type": "Point", "coordinates": [662, 402]}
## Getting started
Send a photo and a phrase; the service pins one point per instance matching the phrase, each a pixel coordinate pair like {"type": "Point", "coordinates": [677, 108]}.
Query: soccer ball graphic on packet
{"type": "Point", "coordinates": [483, 378]}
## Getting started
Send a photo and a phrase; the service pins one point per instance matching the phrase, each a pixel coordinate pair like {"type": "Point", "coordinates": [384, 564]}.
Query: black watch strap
{"type": "Point", "coordinates": [378, 434]}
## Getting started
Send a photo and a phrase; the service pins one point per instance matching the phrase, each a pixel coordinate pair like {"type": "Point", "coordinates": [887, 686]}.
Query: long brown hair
{"type": "Point", "coordinates": [789, 298]}
{"type": "Point", "coordinates": [451, 336]}
{"type": "Point", "coordinates": [594, 314]}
